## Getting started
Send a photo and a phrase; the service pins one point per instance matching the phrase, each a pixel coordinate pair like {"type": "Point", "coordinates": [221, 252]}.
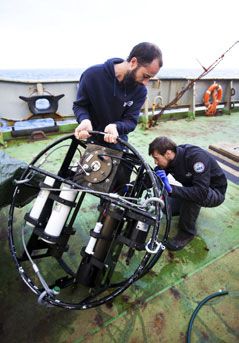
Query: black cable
{"type": "Point", "coordinates": [195, 312]}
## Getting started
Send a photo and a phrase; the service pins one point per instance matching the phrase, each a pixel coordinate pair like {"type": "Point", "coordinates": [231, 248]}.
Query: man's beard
{"type": "Point", "coordinates": [130, 78]}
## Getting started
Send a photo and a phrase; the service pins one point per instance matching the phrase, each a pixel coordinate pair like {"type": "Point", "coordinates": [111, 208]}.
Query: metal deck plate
{"type": "Point", "coordinates": [158, 307]}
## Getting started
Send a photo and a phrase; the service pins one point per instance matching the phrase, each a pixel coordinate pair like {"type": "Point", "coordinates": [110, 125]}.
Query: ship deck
{"type": "Point", "coordinates": [158, 307]}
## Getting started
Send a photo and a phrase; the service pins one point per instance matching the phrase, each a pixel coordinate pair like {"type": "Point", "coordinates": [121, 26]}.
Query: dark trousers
{"type": "Point", "coordinates": [188, 211]}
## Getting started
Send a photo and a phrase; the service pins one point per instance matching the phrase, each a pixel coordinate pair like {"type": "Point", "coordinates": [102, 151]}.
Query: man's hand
{"type": "Point", "coordinates": [162, 175]}
{"type": "Point", "coordinates": [81, 132]}
{"type": "Point", "coordinates": [111, 133]}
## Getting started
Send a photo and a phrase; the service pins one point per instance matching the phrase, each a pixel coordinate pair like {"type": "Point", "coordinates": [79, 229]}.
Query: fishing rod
{"type": "Point", "coordinates": [153, 120]}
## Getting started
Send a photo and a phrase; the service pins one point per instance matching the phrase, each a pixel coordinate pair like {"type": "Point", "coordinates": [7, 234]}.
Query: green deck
{"type": "Point", "coordinates": [159, 306]}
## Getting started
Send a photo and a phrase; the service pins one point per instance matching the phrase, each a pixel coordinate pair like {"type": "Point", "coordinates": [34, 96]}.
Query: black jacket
{"type": "Point", "coordinates": [198, 171]}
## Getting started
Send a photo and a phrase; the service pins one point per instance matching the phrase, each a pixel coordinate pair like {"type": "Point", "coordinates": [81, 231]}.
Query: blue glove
{"type": "Point", "coordinates": [162, 175]}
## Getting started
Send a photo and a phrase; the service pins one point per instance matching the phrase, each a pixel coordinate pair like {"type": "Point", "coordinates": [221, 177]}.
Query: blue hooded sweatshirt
{"type": "Point", "coordinates": [104, 100]}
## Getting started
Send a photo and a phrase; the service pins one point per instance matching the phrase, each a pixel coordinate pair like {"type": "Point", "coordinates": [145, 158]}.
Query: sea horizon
{"type": "Point", "coordinates": [74, 73]}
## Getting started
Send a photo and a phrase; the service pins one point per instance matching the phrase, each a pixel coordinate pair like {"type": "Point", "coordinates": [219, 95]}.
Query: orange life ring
{"type": "Point", "coordinates": [214, 91]}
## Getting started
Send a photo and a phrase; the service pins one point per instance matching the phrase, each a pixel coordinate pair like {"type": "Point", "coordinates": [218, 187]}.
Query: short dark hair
{"type": "Point", "coordinates": [145, 53]}
{"type": "Point", "coordinates": [161, 145]}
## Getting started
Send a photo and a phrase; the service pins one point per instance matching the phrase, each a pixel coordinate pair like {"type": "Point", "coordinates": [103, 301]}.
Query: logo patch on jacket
{"type": "Point", "coordinates": [128, 103]}
{"type": "Point", "coordinates": [199, 167]}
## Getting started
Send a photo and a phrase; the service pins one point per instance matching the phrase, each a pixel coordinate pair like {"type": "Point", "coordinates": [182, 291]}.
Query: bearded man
{"type": "Point", "coordinates": [110, 95]}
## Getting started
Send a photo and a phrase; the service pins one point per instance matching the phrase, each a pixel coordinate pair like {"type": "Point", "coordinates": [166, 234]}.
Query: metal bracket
{"type": "Point", "coordinates": [159, 245]}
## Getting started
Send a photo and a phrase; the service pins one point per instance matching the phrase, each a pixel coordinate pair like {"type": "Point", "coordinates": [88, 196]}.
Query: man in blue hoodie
{"type": "Point", "coordinates": [110, 95]}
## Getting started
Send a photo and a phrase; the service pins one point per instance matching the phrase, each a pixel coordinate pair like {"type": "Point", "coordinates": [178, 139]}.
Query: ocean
{"type": "Point", "coordinates": [74, 74]}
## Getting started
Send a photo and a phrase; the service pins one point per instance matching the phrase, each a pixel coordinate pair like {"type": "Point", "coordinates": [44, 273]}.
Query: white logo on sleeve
{"type": "Point", "coordinates": [199, 167]}
{"type": "Point", "coordinates": [128, 103]}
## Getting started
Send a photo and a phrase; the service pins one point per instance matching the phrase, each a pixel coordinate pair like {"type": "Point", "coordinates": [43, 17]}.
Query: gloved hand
{"type": "Point", "coordinates": [162, 175]}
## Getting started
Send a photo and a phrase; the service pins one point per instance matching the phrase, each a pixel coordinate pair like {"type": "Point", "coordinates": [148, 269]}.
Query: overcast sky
{"type": "Point", "coordinates": [77, 33]}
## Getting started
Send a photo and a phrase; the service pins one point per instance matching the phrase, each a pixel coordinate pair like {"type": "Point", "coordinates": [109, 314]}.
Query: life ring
{"type": "Point", "coordinates": [214, 91]}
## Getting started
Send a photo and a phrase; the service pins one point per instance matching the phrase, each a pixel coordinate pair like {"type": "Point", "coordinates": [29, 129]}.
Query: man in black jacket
{"type": "Point", "coordinates": [203, 183]}
{"type": "Point", "coordinates": [110, 95]}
